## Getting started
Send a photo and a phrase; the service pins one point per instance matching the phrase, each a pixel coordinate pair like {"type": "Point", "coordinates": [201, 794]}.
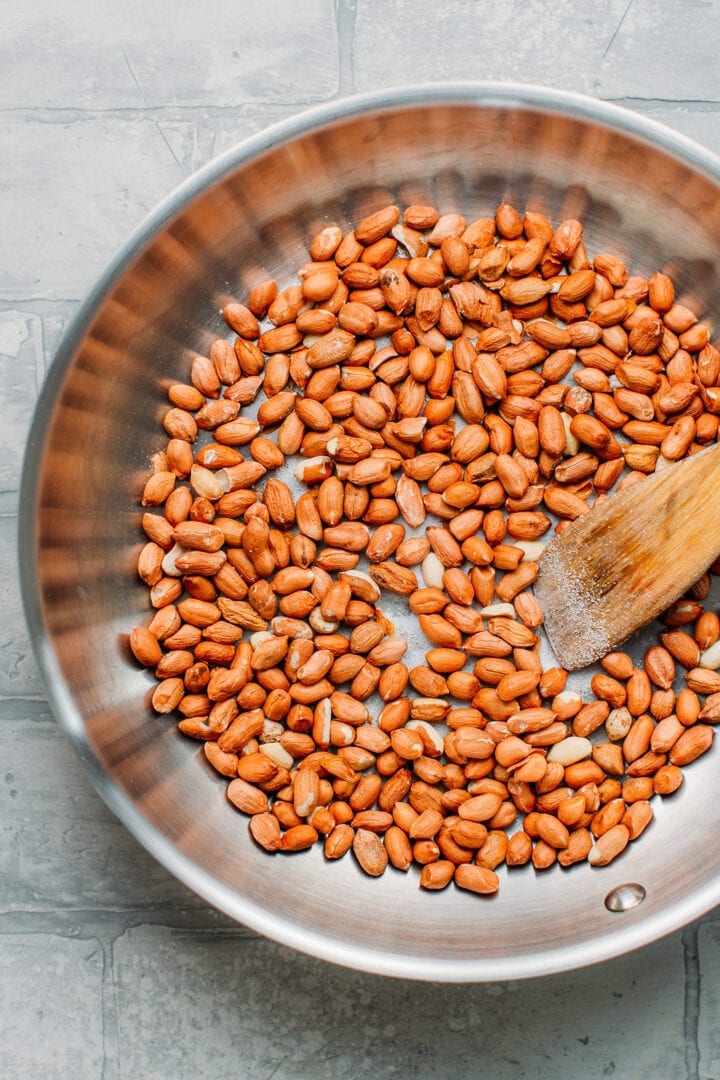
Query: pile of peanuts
{"type": "Point", "coordinates": [440, 385]}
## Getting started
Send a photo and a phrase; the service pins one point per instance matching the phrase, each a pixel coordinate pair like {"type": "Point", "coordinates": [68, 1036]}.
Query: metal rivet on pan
{"type": "Point", "coordinates": [625, 897]}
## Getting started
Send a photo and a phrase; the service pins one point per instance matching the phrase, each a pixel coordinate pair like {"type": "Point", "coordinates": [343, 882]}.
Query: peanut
{"type": "Point", "coordinates": [268, 636]}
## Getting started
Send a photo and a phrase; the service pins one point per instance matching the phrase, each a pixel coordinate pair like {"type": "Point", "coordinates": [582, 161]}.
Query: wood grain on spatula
{"type": "Point", "coordinates": [622, 564]}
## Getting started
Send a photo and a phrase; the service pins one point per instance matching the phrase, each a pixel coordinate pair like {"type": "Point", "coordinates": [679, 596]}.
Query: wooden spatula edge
{"type": "Point", "coordinates": [619, 566]}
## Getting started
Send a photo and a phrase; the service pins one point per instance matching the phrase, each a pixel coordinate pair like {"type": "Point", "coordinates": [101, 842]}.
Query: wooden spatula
{"type": "Point", "coordinates": [622, 564]}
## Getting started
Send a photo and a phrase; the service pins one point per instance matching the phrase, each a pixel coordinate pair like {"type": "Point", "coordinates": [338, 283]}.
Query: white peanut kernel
{"type": "Point", "coordinates": [570, 750]}
{"type": "Point", "coordinates": [710, 658]}
{"type": "Point", "coordinates": [432, 571]}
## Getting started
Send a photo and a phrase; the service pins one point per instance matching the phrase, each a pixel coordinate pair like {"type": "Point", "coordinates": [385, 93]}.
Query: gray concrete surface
{"type": "Point", "coordinates": [108, 967]}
